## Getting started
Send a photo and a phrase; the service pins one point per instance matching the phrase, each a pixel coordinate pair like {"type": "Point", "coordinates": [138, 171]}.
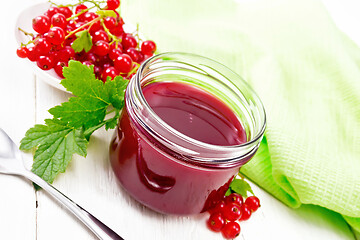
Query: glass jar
{"type": "Point", "coordinates": [165, 169]}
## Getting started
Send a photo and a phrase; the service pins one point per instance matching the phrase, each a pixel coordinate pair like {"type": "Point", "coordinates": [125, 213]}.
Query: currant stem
{"type": "Point", "coordinates": [25, 32]}
{"type": "Point", "coordinates": [83, 26]}
{"type": "Point", "coordinates": [134, 69]}
{"type": "Point", "coordinates": [112, 36]}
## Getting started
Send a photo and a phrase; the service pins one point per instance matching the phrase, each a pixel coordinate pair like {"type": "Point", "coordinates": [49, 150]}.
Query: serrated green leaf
{"type": "Point", "coordinates": [116, 90]}
{"type": "Point", "coordinates": [56, 143]}
{"type": "Point", "coordinates": [241, 187]}
{"type": "Point", "coordinates": [106, 13]}
{"type": "Point", "coordinates": [82, 42]}
{"type": "Point", "coordinates": [112, 122]}
{"type": "Point", "coordinates": [81, 111]}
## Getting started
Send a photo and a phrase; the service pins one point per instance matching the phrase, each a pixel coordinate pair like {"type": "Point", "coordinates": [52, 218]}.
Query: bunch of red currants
{"type": "Point", "coordinates": [77, 32]}
{"type": "Point", "coordinates": [224, 216]}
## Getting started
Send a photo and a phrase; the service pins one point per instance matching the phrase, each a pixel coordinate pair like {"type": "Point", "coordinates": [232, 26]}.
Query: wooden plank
{"type": "Point", "coordinates": [17, 107]}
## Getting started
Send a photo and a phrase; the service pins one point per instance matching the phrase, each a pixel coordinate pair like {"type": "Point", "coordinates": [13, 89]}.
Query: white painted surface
{"type": "Point", "coordinates": [24, 101]}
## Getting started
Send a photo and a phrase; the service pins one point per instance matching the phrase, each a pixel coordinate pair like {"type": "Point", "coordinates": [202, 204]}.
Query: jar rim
{"type": "Point", "coordinates": [136, 80]}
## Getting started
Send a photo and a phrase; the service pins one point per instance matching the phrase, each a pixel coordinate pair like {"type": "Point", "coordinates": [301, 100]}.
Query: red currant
{"type": "Point", "coordinates": [66, 53]}
{"type": "Point", "coordinates": [219, 207]}
{"type": "Point", "coordinates": [42, 46]}
{"type": "Point", "coordinates": [45, 62]}
{"type": "Point", "coordinates": [91, 57]}
{"type": "Point", "coordinates": [216, 222]}
{"type": "Point", "coordinates": [133, 53]}
{"type": "Point", "coordinates": [112, 4]}
{"type": "Point", "coordinates": [32, 54]}
{"type": "Point", "coordinates": [235, 198]}
{"type": "Point", "coordinates": [22, 52]}
{"type": "Point", "coordinates": [66, 11]}
{"type": "Point", "coordinates": [115, 53]}
{"type": "Point", "coordinates": [232, 211]}
{"type": "Point", "coordinates": [88, 16]}
{"type": "Point", "coordinates": [117, 31]}
{"type": "Point", "coordinates": [110, 22]}
{"type": "Point", "coordinates": [101, 48]}
{"type": "Point", "coordinates": [231, 230]}
{"type": "Point", "coordinates": [41, 24]}
{"type": "Point", "coordinates": [108, 72]}
{"type": "Point", "coordinates": [129, 41]}
{"type": "Point", "coordinates": [59, 68]}
{"type": "Point", "coordinates": [123, 63]}
{"type": "Point", "coordinates": [100, 35]}
{"type": "Point", "coordinates": [253, 203]}
{"type": "Point", "coordinates": [148, 47]}
{"type": "Point", "coordinates": [59, 20]}
{"type": "Point", "coordinates": [51, 11]}
{"type": "Point", "coordinates": [79, 8]}
{"type": "Point", "coordinates": [55, 35]}
{"type": "Point", "coordinates": [246, 213]}
{"type": "Point", "coordinates": [96, 26]}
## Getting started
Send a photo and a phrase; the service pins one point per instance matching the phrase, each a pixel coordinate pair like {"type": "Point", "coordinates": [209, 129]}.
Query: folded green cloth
{"type": "Point", "coordinates": [307, 74]}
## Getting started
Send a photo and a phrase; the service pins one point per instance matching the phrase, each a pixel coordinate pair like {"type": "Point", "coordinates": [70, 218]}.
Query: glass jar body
{"type": "Point", "coordinates": [165, 170]}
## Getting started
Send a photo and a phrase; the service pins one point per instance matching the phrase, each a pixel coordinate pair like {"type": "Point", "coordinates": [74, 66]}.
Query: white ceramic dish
{"type": "Point", "coordinates": [24, 21]}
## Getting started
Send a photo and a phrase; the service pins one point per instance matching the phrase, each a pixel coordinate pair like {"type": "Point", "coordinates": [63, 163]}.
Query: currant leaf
{"type": "Point", "coordinates": [106, 13]}
{"type": "Point", "coordinates": [82, 42]}
{"type": "Point", "coordinates": [241, 187]}
{"type": "Point", "coordinates": [56, 142]}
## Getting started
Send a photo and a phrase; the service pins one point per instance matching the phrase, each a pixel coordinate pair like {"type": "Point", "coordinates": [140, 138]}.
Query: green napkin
{"type": "Point", "coordinates": [307, 74]}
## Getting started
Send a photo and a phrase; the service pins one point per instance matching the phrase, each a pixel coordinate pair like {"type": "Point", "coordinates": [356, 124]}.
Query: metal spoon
{"type": "Point", "coordinates": [11, 163]}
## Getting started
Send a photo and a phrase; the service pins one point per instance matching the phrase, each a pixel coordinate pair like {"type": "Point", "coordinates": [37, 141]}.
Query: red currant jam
{"type": "Point", "coordinates": [166, 182]}
{"type": "Point", "coordinates": [195, 113]}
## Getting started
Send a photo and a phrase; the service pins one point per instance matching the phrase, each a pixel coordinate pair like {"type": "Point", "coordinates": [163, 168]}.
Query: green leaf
{"type": "Point", "coordinates": [241, 187]}
{"type": "Point", "coordinates": [116, 90]}
{"type": "Point", "coordinates": [106, 13]}
{"type": "Point", "coordinates": [56, 142]}
{"type": "Point", "coordinates": [82, 42]}
{"type": "Point", "coordinates": [75, 120]}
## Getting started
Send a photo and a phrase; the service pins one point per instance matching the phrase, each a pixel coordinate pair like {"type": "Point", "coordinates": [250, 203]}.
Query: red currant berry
{"type": "Point", "coordinates": [117, 31]}
{"type": "Point", "coordinates": [55, 35]}
{"type": "Point", "coordinates": [234, 198]}
{"type": "Point", "coordinates": [140, 57]}
{"type": "Point", "coordinates": [42, 46]}
{"type": "Point", "coordinates": [148, 47]}
{"type": "Point", "coordinates": [101, 48]}
{"type": "Point", "coordinates": [108, 72]}
{"type": "Point", "coordinates": [41, 24]}
{"type": "Point", "coordinates": [253, 203]}
{"type": "Point", "coordinates": [51, 11]}
{"type": "Point", "coordinates": [232, 211]}
{"type": "Point", "coordinates": [217, 207]}
{"type": "Point", "coordinates": [87, 63]}
{"type": "Point", "coordinates": [123, 63]}
{"type": "Point", "coordinates": [100, 35]}
{"type": "Point", "coordinates": [80, 8]}
{"type": "Point", "coordinates": [45, 62]}
{"type": "Point", "coordinates": [112, 4]}
{"type": "Point", "coordinates": [88, 16]}
{"type": "Point", "coordinates": [66, 11]}
{"type": "Point", "coordinates": [231, 230]}
{"type": "Point", "coordinates": [115, 53]}
{"type": "Point", "coordinates": [216, 222]}
{"type": "Point", "coordinates": [110, 22]}
{"type": "Point", "coordinates": [96, 26]}
{"type": "Point", "coordinates": [22, 52]}
{"type": "Point", "coordinates": [59, 20]}
{"type": "Point", "coordinates": [32, 54]}
{"type": "Point", "coordinates": [66, 53]}
{"type": "Point", "coordinates": [246, 213]}
{"type": "Point", "coordinates": [133, 53]}
{"type": "Point", "coordinates": [91, 57]}
{"type": "Point", "coordinates": [59, 68]}
{"type": "Point", "coordinates": [129, 41]}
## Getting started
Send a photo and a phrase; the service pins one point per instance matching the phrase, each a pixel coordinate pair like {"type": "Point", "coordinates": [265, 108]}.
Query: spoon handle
{"type": "Point", "coordinates": [95, 225]}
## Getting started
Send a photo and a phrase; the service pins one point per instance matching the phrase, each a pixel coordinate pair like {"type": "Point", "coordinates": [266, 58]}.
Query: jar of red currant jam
{"type": "Point", "coordinates": [188, 125]}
